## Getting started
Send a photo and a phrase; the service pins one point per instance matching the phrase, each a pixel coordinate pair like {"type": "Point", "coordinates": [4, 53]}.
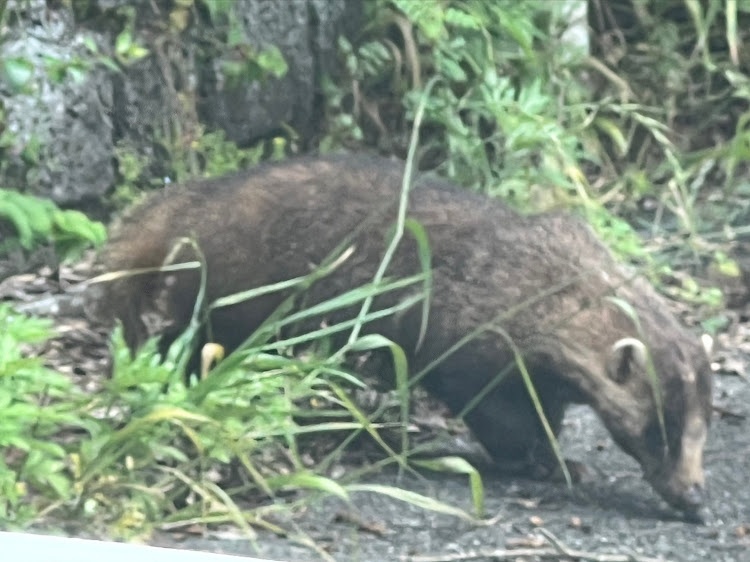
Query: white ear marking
{"type": "Point", "coordinates": [627, 355]}
{"type": "Point", "coordinates": [638, 346]}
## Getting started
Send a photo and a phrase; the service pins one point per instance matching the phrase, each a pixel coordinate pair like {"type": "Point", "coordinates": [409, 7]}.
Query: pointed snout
{"type": "Point", "coordinates": [683, 485]}
{"type": "Point", "coordinates": [695, 509]}
{"type": "Point", "coordinates": [690, 499]}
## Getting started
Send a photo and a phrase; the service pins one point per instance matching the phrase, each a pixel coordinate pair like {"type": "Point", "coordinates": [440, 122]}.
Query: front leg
{"type": "Point", "coordinates": [505, 422]}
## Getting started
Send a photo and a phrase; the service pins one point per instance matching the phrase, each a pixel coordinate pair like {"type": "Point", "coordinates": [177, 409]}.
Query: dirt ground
{"type": "Point", "coordinates": [614, 513]}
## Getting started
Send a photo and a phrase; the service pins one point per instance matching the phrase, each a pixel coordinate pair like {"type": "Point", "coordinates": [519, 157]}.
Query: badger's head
{"type": "Point", "coordinates": [649, 379]}
{"type": "Point", "coordinates": [668, 386]}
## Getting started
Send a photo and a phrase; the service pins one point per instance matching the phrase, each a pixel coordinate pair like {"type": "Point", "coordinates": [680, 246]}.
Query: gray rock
{"type": "Point", "coordinates": [305, 32]}
{"type": "Point", "coordinates": [65, 131]}
{"type": "Point", "coordinates": [67, 120]}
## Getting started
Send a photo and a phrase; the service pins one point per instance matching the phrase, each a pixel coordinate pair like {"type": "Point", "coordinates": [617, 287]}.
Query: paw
{"type": "Point", "coordinates": [578, 472]}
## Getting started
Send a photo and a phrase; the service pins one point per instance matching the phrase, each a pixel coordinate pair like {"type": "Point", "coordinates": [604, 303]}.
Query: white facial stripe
{"type": "Point", "coordinates": [690, 467]}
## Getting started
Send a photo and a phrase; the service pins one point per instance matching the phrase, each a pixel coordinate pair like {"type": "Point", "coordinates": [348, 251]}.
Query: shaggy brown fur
{"type": "Point", "coordinates": [279, 221]}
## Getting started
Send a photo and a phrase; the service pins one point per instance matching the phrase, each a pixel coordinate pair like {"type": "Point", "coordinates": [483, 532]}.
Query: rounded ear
{"type": "Point", "coordinates": [627, 356]}
{"type": "Point", "coordinates": [708, 343]}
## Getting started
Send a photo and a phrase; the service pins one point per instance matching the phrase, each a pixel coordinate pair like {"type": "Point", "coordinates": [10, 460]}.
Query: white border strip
{"type": "Point", "coordinates": [24, 547]}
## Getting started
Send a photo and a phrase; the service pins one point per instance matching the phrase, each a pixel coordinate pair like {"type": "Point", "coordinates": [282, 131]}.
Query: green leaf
{"type": "Point", "coordinates": [457, 465]}
{"type": "Point", "coordinates": [77, 73]}
{"type": "Point", "coordinates": [90, 44]}
{"type": "Point", "coordinates": [136, 52]}
{"type": "Point", "coordinates": [463, 19]}
{"type": "Point", "coordinates": [451, 69]}
{"type": "Point", "coordinates": [271, 60]}
{"type": "Point", "coordinates": [80, 226]}
{"type": "Point", "coordinates": [310, 481]}
{"type": "Point", "coordinates": [612, 130]}
{"type": "Point", "coordinates": [17, 72]}
{"type": "Point", "coordinates": [15, 215]}
{"type": "Point", "coordinates": [413, 498]}
{"type": "Point", "coordinates": [428, 16]}
{"type": "Point", "coordinates": [123, 42]}
{"type": "Point", "coordinates": [109, 63]}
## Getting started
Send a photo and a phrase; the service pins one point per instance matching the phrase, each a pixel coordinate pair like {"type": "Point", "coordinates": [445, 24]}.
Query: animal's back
{"type": "Point", "coordinates": [279, 221]}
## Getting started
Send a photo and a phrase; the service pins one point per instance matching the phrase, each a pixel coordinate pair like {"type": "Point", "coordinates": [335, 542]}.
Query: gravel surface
{"type": "Point", "coordinates": [613, 512]}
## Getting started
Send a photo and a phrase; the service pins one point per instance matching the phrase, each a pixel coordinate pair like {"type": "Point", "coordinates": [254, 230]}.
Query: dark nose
{"type": "Point", "coordinates": [693, 504]}
{"type": "Point", "coordinates": [695, 496]}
